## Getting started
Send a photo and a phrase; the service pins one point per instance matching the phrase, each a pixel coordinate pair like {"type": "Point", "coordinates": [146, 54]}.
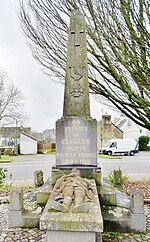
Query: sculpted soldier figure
{"type": "Point", "coordinates": [72, 193]}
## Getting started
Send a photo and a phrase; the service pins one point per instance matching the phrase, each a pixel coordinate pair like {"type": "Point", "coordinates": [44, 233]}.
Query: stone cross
{"type": "Point", "coordinates": [77, 36]}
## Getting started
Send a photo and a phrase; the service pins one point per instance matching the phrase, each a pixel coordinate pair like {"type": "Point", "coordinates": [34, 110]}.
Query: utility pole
{"type": "Point", "coordinates": [16, 141]}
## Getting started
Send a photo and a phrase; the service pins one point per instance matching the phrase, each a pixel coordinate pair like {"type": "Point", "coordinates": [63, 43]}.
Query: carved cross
{"type": "Point", "coordinates": [77, 36]}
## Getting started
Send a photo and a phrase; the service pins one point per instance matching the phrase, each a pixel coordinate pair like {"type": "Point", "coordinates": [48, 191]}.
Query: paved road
{"type": "Point", "coordinates": [137, 166]}
{"type": "Point", "coordinates": [24, 166]}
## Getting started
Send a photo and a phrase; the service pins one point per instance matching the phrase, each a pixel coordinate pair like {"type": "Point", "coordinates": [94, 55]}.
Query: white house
{"type": "Point", "coordinates": [129, 128]}
{"type": "Point", "coordinates": [28, 144]}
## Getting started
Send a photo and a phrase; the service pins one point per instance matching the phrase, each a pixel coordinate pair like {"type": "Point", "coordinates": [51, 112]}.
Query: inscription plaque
{"type": "Point", "coordinates": [76, 141]}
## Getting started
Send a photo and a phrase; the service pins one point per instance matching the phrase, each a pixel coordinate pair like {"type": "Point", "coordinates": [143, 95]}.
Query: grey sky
{"type": "Point", "coordinates": [44, 98]}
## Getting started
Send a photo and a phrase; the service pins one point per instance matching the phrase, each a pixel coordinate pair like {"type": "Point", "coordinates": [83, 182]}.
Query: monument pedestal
{"type": "Point", "coordinates": [76, 142]}
{"type": "Point", "coordinates": [72, 226]}
{"type": "Point", "coordinates": [67, 236]}
{"type": "Point", "coordinates": [86, 172]}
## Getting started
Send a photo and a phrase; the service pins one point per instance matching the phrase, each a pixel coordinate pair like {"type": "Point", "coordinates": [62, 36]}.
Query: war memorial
{"type": "Point", "coordinates": [75, 204]}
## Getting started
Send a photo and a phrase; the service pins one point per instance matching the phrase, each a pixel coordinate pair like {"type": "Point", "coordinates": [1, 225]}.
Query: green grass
{"type": "Point", "coordinates": [109, 156]}
{"type": "Point", "coordinates": [5, 159]}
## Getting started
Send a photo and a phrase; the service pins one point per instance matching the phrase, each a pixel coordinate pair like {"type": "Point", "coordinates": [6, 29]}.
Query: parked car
{"type": "Point", "coordinates": [121, 147]}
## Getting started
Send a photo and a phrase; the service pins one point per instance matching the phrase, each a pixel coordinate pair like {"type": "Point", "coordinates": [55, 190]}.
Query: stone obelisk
{"type": "Point", "coordinates": [76, 143]}
{"type": "Point", "coordinates": [76, 98]}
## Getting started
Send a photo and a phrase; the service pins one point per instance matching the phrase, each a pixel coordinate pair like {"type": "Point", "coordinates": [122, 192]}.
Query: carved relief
{"type": "Point", "coordinates": [76, 73]}
{"type": "Point", "coordinates": [76, 89]}
{"type": "Point", "coordinates": [77, 37]}
{"type": "Point", "coordinates": [72, 193]}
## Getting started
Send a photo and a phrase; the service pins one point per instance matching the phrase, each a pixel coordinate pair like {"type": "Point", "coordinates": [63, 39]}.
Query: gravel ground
{"type": "Point", "coordinates": [31, 235]}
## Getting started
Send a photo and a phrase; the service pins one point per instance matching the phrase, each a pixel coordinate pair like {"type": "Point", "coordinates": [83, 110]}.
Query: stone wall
{"type": "Point", "coordinates": [106, 130]}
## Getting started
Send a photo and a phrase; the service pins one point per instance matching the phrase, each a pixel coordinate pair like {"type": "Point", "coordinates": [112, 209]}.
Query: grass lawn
{"type": "Point", "coordinates": [109, 156]}
{"type": "Point", "coordinates": [5, 159]}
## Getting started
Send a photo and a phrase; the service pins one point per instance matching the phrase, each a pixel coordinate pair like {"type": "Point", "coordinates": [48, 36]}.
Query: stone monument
{"type": "Point", "coordinates": [76, 131]}
{"type": "Point", "coordinates": [73, 210]}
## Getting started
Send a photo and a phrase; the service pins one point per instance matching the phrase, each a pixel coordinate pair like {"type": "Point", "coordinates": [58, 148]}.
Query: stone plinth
{"type": "Point", "coordinates": [68, 236]}
{"type": "Point", "coordinates": [76, 142]}
{"type": "Point", "coordinates": [89, 223]}
{"type": "Point", "coordinates": [19, 216]}
{"type": "Point", "coordinates": [86, 172]}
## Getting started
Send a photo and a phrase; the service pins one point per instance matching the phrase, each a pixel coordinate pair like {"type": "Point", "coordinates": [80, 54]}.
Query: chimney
{"type": "Point", "coordinates": [106, 119]}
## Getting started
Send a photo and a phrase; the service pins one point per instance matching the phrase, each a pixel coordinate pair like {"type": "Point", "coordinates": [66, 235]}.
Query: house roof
{"type": "Point", "coordinates": [11, 132]}
{"type": "Point", "coordinates": [121, 123]}
{"type": "Point", "coordinates": [49, 134]}
{"type": "Point", "coordinates": [111, 123]}
{"type": "Point", "coordinates": [28, 135]}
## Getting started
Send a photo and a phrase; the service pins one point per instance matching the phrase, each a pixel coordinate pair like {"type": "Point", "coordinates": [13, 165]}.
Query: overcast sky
{"type": "Point", "coordinates": [44, 98]}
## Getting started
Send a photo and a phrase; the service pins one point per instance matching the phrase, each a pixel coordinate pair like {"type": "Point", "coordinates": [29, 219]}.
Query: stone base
{"type": "Point", "coordinates": [23, 219]}
{"type": "Point", "coordinates": [86, 172]}
{"type": "Point", "coordinates": [138, 222]}
{"type": "Point", "coordinates": [63, 236]}
{"type": "Point", "coordinates": [119, 219]}
{"type": "Point", "coordinates": [67, 236]}
{"type": "Point", "coordinates": [15, 219]}
{"type": "Point", "coordinates": [90, 221]}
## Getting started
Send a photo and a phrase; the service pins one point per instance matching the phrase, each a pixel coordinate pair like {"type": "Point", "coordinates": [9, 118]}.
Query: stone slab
{"type": "Point", "coordinates": [67, 236]}
{"type": "Point", "coordinates": [138, 222]}
{"type": "Point", "coordinates": [137, 201]}
{"type": "Point", "coordinates": [16, 199]}
{"type": "Point", "coordinates": [24, 219]}
{"type": "Point", "coordinates": [43, 192]}
{"type": "Point", "coordinates": [110, 196]}
{"type": "Point", "coordinates": [120, 219]}
{"type": "Point", "coordinates": [76, 142]}
{"type": "Point", "coordinates": [90, 221]}
{"type": "Point", "coordinates": [15, 219]}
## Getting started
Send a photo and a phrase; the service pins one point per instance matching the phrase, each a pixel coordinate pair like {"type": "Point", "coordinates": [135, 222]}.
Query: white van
{"type": "Point", "coordinates": [121, 147]}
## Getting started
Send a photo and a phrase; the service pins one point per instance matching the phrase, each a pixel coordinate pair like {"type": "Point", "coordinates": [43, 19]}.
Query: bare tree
{"type": "Point", "coordinates": [118, 43]}
{"type": "Point", "coordinates": [11, 102]}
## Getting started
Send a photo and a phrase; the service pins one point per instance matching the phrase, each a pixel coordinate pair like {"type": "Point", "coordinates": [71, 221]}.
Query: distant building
{"type": "Point", "coordinates": [48, 142]}
{"type": "Point", "coordinates": [9, 135]}
{"type": "Point", "coordinates": [49, 135]}
{"type": "Point", "coordinates": [107, 130]}
{"type": "Point", "coordinates": [129, 128]}
{"type": "Point", "coordinates": [28, 144]}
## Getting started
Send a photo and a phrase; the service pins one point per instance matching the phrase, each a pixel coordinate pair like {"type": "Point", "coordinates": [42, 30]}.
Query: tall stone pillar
{"type": "Point", "coordinates": [76, 131]}
{"type": "Point", "coordinates": [76, 98]}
